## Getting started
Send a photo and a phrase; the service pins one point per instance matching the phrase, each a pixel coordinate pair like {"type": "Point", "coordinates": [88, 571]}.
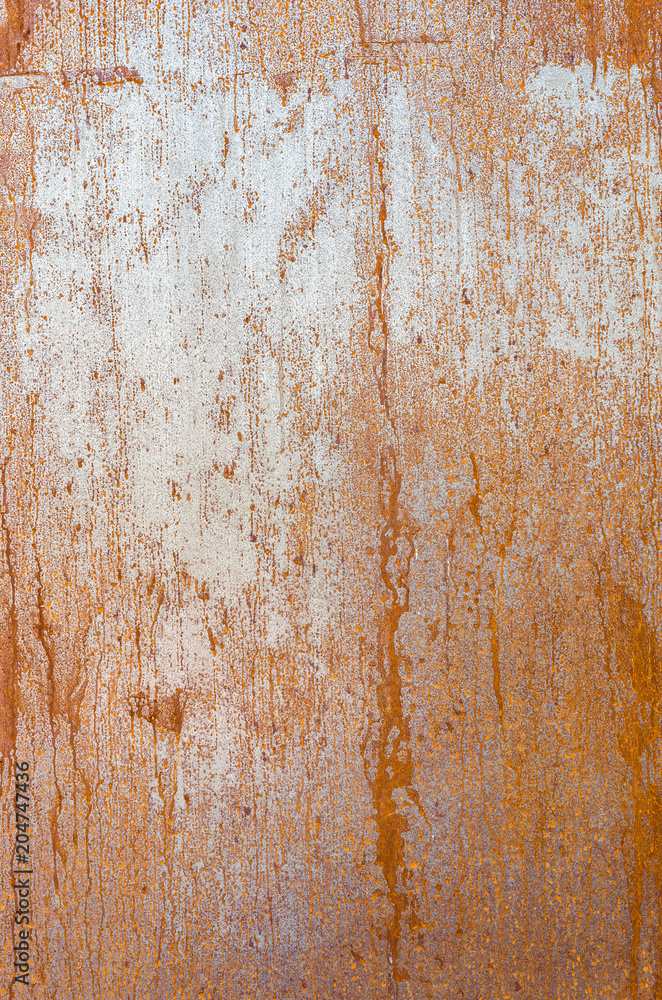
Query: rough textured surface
{"type": "Point", "coordinates": [330, 592]}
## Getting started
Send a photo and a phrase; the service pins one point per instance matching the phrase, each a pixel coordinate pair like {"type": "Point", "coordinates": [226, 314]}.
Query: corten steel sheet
{"type": "Point", "coordinates": [330, 514]}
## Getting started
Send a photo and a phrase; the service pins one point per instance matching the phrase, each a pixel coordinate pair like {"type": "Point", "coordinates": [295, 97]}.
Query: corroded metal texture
{"type": "Point", "coordinates": [330, 514]}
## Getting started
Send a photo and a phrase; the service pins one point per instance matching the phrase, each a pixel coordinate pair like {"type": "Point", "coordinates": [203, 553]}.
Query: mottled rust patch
{"type": "Point", "coordinates": [16, 29]}
{"type": "Point", "coordinates": [165, 710]}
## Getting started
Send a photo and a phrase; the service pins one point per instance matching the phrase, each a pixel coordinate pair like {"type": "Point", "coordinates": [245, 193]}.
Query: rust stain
{"type": "Point", "coordinates": [16, 28]}
{"type": "Point", "coordinates": [166, 711]}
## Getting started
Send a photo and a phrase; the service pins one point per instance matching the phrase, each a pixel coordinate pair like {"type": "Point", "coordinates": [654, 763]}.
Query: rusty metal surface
{"type": "Point", "coordinates": [330, 517]}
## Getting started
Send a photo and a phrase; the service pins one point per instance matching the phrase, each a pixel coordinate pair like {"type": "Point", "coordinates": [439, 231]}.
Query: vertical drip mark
{"type": "Point", "coordinates": [496, 669]}
{"type": "Point", "coordinates": [394, 765]}
{"type": "Point", "coordinates": [8, 650]}
{"type": "Point", "coordinates": [42, 629]}
{"type": "Point", "coordinates": [390, 763]}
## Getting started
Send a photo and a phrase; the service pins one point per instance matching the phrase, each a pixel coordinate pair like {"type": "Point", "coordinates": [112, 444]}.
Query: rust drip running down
{"type": "Point", "coordinates": [496, 668]}
{"type": "Point", "coordinates": [8, 636]}
{"type": "Point", "coordinates": [394, 765]}
{"type": "Point", "coordinates": [391, 762]}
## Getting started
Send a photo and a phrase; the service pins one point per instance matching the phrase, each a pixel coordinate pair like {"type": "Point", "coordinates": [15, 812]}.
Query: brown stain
{"type": "Point", "coordinates": [109, 76]}
{"type": "Point", "coordinates": [163, 710]}
{"type": "Point", "coordinates": [16, 30]}
{"type": "Point", "coordinates": [285, 81]}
